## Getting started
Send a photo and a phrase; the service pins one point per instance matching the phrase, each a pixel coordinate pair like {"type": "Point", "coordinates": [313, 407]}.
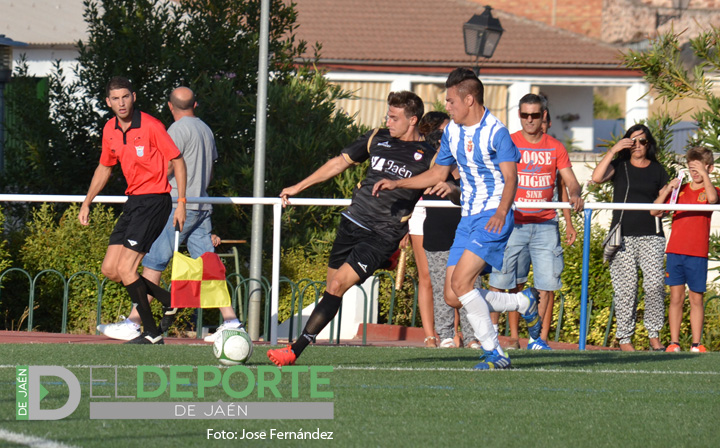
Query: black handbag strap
{"type": "Point", "coordinates": [627, 190]}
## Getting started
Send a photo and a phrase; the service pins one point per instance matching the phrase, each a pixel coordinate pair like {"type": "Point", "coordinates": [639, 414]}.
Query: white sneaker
{"type": "Point", "coordinates": [475, 345]}
{"type": "Point", "coordinates": [447, 343]}
{"type": "Point", "coordinates": [124, 330]}
{"type": "Point", "coordinates": [212, 337]}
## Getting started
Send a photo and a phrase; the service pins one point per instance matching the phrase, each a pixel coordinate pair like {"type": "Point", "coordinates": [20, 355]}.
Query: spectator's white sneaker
{"type": "Point", "coordinates": [125, 330]}
{"type": "Point", "coordinates": [211, 337]}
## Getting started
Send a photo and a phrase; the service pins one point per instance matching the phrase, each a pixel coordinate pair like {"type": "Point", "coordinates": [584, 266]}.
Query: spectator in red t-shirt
{"type": "Point", "coordinates": [687, 249]}
{"type": "Point", "coordinates": [535, 239]}
{"type": "Point", "coordinates": [143, 148]}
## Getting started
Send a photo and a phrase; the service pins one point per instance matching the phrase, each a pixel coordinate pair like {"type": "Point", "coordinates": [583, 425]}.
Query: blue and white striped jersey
{"type": "Point", "coordinates": [478, 151]}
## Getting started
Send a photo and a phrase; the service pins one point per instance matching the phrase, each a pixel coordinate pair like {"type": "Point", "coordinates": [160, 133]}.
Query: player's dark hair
{"type": "Point", "coordinates": [467, 83]}
{"type": "Point", "coordinates": [409, 102]}
{"type": "Point", "coordinates": [700, 153]}
{"type": "Point", "coordinates": [118, 82]}
{"type": "Point", "coordinates": [432, 121]}
{"type": "Point", "coordinates": [651, 144]}
{"type": "Point", "coordinates": [531, 98]}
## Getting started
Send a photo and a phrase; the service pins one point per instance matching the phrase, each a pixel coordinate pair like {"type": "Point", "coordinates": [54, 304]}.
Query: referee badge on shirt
{"type": "Point", "coordinates": [140, 150]}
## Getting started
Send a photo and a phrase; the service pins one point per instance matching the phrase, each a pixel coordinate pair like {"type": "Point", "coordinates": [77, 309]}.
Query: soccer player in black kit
{"type": "Point", "coordinates": [371, 228]}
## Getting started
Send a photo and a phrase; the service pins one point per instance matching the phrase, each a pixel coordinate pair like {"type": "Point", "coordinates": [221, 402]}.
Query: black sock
{"type": "Point", "coordinates": [695, 344]}
{"type": "Point", "coordinates": [323, 313]}
{"type": "Point", "coordinates": [156, 291]}
{"type": "Point", "coordinates": [138, 294]}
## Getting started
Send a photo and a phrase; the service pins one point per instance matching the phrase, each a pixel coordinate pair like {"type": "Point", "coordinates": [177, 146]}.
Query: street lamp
{"type": "Point", "coordinates": [678, 5]}
{"type": "Point", "coordinates": [482, 34]}
{"type": "Point", "coordinates": [6, 45]}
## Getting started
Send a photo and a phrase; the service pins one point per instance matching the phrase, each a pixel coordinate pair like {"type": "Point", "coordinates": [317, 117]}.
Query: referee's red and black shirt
{"type": "Point", "coordinates": [143, 151]}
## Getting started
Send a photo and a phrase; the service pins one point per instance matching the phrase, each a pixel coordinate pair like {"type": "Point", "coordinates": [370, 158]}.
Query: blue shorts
{"type": "Point", "coordinates": [536, 243]}
{"type": "Point", "coordinates": [196, 230]}
{"type": "Point", "coordinates": [687, 270]}
{"type": "Point", "coordinates": [471, 235]}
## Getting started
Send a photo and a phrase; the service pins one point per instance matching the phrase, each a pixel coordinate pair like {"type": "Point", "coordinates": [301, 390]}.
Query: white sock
{"type": "Point", "coordinates": [232, 323]}
{"type": "Point", "coordinates": [129, 322]}
{"type": "Point", "coordinates": [495, 326]}
{"type": "Point", "coordinates": [523, 303]}
{"type": "Point", "coordinates": [501, 302]}
{"type": "Point", "coordinates": [478, 314]}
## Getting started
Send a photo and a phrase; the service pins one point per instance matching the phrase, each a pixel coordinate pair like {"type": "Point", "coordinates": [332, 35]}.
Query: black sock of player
{"type": "Point", "coordinates": [156, 291]}
{"type": "Point", "coordinates": [323, 313]}
{"type": "Point", "coordinates": [138, 294]}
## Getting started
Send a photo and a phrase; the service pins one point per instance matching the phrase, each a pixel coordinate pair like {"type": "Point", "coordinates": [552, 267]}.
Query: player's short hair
{"type": "Point", "coordinates": [531, 98]}
{"type": "Point", "coordinates": [700, 153]}
{"type": "Point", "coordinates": [432, 121]}
{"type": "Point", "coordinates": [409, 102]}
{"type": "Point", "coordinates": [467, 83]}
{"type": "Point", "coordinates": [118, 82]}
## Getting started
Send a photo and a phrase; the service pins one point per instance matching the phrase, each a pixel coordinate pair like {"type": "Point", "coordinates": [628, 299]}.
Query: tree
{"type": "Point", "coordinates": [210, 46]}
{"type": "Point", "coordinates": [664, 70]}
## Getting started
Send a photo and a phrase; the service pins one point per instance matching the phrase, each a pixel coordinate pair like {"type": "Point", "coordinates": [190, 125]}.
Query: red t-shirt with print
{"type": "Point", "coordinates": [690, 233]}
{"type": "Point", "coordinates": [537, 172]}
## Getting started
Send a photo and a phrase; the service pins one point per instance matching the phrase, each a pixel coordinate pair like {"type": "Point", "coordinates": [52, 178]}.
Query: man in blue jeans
{"type": "Point", "coordinates": [535, 238]}
{"type": "Point", "coordinates": [195, 141]}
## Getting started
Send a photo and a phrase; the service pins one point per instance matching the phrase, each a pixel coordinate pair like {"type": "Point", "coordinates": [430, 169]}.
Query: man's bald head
{"type": "Point", "coordinates": [182, 99]}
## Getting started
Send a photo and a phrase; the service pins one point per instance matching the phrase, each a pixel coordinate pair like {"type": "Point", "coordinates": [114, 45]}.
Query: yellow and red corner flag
{"type": "Point", "coordinates": [198, 283]}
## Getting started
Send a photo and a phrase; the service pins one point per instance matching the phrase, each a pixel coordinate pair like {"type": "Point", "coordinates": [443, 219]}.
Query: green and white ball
{"type": "Point", "coordinates": [233, 346]}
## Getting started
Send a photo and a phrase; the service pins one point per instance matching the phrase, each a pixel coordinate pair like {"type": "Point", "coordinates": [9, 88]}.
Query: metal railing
{"type": "Point", "coordinates": [271, 317]}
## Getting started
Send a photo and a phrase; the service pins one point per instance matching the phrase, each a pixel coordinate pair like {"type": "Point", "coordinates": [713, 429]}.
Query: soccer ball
{"type": "Point", "coordinates": [233, 346]}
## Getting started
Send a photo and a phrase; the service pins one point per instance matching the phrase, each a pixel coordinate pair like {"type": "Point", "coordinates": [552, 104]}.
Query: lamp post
{"type": "Point", "coordinates": [6, 45]}
{"type": "Point", "coordinates": [678, 5]}
{"type": "Point", "coordinates": [481, 35]}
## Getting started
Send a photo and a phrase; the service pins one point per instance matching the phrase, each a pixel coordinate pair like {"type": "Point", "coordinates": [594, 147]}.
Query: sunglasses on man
{"type": "Point", "coordinates": [534, 115]}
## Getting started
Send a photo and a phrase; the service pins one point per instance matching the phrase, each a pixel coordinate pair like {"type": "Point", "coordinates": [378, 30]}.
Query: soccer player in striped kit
{"type": "Point", "coordinates": [486, 157]}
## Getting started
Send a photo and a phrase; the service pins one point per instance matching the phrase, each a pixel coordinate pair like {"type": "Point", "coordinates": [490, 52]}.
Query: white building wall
{"type": "Point", "coordinates": [576, 102]}
{"type": "Point", "coordinates": [41, 60]}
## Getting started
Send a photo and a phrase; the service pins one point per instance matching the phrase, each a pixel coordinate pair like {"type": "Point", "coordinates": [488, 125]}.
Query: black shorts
{"type": "Point", "coordinates": [142, 221]}
{"type": "Point", "coordinates": [365, 251]}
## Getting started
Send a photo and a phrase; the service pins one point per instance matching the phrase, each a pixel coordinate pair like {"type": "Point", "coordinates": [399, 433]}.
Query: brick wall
{"type": "Point", "coordinates": [614, 21]}
{"type": "Point", "coordinates": [625, 21]}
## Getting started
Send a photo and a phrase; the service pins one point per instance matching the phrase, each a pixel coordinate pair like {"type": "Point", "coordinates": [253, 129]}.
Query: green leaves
{"type": "Point", "coordinates": [665, 68]}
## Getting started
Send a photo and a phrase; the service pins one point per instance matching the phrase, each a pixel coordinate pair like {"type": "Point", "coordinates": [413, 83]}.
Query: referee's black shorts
{"type": "Point", "coordinates": [365, 251]}
{"type": "Point", "coordinates": [142, 221]}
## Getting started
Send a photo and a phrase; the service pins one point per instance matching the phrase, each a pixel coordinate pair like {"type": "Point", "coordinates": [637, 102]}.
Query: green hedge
{"type": "Point", "coordinates": [67, 247]}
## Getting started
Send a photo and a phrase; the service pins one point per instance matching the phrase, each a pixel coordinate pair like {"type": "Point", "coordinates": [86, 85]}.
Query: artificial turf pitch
{"type": "Point", "coordinates": [398, 397]}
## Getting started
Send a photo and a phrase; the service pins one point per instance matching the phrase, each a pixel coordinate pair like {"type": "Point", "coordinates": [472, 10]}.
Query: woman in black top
{"type": "Point", "coordinates": [638, 176]}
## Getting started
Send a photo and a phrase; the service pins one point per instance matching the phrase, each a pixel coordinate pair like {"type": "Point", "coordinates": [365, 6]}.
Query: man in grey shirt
{"type": "Point", "coordinates": [197, 145]}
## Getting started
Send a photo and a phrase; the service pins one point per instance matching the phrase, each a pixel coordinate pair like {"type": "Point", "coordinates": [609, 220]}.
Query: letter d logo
{"type": "Point", "coordinates": [37, 392]}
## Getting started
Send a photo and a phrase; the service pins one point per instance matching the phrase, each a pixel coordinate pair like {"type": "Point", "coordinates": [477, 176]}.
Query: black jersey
{"type": "Point", "coordinates": [390, 158]}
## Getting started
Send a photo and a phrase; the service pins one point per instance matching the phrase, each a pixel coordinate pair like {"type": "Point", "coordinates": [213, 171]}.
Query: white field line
{"type": "Point", "coordinates": [31, 441]}
{"type": "Point", "coordinates": [446, 369]}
